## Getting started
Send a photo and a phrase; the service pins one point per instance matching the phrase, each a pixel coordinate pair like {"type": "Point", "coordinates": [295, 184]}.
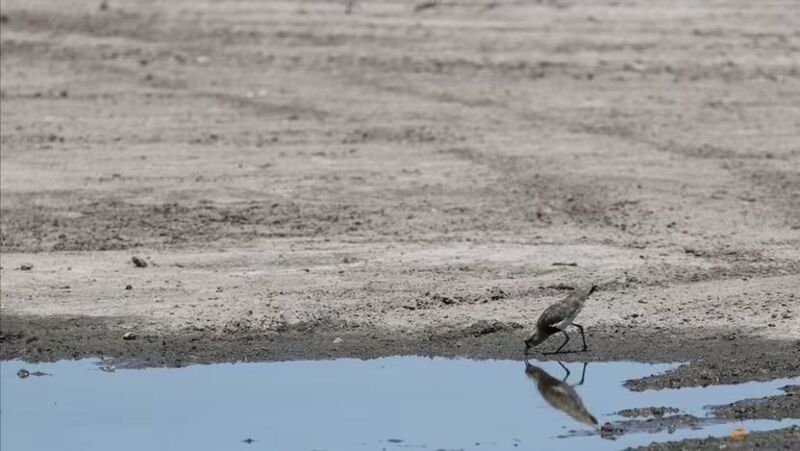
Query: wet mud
{"type": "Point", "coordinates": [781, 439]}
{"type": "Point", "coordinates": [710, 360]}
{"type": "Point", "coordinates": [772, 407]}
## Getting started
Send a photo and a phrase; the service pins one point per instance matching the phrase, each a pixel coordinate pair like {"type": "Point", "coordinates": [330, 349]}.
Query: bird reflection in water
{"type": "Point", "coordinates": [560, 394]}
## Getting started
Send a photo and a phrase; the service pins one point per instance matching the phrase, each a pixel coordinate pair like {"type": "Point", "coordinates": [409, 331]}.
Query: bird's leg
{"type": "Point", "coordinates": [565, 341]}
{"type": "Point", "coordinates": [583, 337]}
{"type": "Point", "coordinates": [562, 344]}
{"type": "Point", "coordinates": [583, 374]}
{"type": "Point", "coordinates": [566, 370]}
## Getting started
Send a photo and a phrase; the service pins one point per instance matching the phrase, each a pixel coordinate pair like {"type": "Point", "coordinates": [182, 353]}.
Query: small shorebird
{"type": "Point", "coordinates": [558, 317]}
{"type": "Point", "coordinates": [560, 394]}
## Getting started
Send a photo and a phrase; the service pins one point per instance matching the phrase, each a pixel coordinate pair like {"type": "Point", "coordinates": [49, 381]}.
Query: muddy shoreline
{"type": "Point", "coordinates": [780, 439]}
{"type": "Point", "coordinates": [656, 419]}
{"type": "Point", "coordinates": [709, 359]}
{"type": "Point", "coordinates": [770, 407]}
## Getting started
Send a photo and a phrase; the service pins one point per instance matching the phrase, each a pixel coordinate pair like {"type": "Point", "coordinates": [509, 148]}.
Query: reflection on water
{"type": "Point", "coordinates": [390, 403]}
{"type": "Point", "coordinates": [560, 394]}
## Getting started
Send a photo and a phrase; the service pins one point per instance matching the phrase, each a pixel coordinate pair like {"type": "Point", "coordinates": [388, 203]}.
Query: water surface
{"type": "Point", "coordinates": [345, 404]}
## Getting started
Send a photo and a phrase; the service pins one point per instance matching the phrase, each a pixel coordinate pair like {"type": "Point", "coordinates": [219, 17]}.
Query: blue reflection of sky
{"type": "Point", "coordinates": [332, 405]}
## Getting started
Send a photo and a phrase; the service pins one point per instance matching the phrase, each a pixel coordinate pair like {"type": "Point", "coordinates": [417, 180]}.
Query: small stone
{"type": "Point", "coordinates": [138, 262]}
{"type": "Point", "coordinates": [25, 267]}
{"type": "Point", "coordinates": [129, 287]}
{"type": "Point", "coordinates": [129, 336]}
{"type": "Point", "coordinates": [337, 340]}
{"type": "Point", "coordinates": [23, 373]}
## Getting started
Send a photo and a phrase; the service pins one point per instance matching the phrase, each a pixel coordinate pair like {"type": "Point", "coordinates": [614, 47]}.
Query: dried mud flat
{"type": "Point", "coordinates": [408, 180]}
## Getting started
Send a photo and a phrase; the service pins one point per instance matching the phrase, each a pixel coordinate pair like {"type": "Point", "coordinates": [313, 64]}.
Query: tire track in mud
{"type": "Point", "coordinates": [580, 200]}
{"type": "Point", "coordinates": [768, 182]}
{"type": "Point", "coordinates": [554, 195]}
{"type": "Point", "coordinates": [622, 214]}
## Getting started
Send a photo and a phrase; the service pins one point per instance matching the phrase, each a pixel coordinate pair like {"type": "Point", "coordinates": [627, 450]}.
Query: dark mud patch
{"type": "Point", "coordinates": [657, 419]}
{"type": "Point", "coordinates": [656, 412]}
{"type": "Point", "coordinates": [793, 389]}
{"type": "Point", "coordinates": [654, 420]}
{"type": "Point", "coordinates": [781, 439]}
{"type": "Point", "coordinates": [109, 224]}
{"type": "Point", "coordinates": [771, 407]}
{"type": "Point", "coordinates": [737, 360]}
{"type": "Point", "coordinates": [654, 425]}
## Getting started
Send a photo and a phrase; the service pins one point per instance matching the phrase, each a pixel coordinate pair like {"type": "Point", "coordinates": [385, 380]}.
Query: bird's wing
{"type": "Point", "coordinates": [555, 313]}
{"type": "Point", "coordinates": [564, 398]}
{"type": "Point", "coordinates": [563, 309]}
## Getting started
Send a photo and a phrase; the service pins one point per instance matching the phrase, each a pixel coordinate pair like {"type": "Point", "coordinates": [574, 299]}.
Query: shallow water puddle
{"type": "Point", "coordinates": [390, 403]}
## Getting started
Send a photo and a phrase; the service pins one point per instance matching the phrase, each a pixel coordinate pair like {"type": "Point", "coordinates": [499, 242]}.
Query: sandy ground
{"type": "Point", "coordinates": [320, 179]}
{"type": "Point", "coordinates": [397, 173]}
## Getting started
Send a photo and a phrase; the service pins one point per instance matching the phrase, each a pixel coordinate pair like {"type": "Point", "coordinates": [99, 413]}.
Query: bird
{"type": "Point", "coordinates": [560, 394]}
{"type": "Point", "coordinates": [558, 317]}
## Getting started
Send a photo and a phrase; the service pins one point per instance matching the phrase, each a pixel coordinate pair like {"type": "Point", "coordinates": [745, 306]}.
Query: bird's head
{"type": "Point", "coordinates": [534, 372]}
{"type": "Point", "coordinates": [535, 339]}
